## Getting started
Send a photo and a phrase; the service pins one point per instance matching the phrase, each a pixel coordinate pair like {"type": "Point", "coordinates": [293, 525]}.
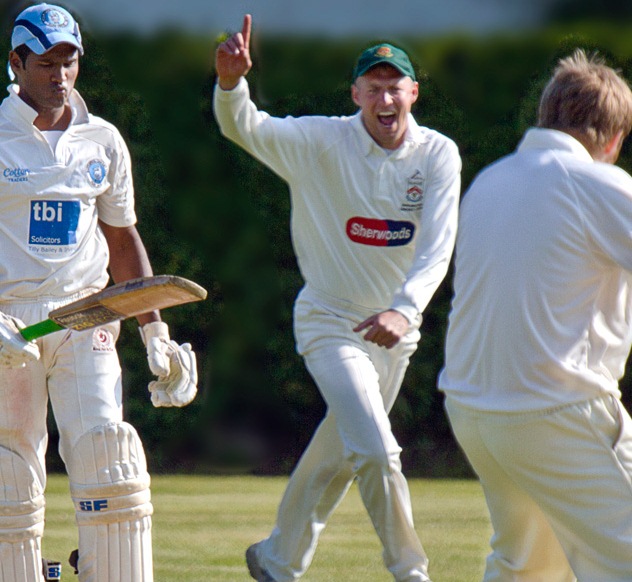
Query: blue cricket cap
{"type": "Point", "coordinates": [43, 26]}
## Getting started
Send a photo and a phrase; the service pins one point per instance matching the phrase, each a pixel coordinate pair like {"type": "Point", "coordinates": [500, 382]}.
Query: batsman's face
{"type": "Point", "coordinates": [385, 98]}
{"type": "Point", "coordinates": [47, 80]}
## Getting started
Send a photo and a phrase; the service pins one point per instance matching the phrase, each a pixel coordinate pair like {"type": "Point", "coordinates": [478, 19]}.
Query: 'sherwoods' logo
{"type": "Point", "coordinates": [379, 232]}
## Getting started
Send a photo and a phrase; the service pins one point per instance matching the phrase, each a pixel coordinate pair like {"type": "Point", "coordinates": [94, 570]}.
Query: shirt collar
{"type": "Point", "coordinates": [28, 114]}
{"type": "Point", "coordinates": [538, 138]}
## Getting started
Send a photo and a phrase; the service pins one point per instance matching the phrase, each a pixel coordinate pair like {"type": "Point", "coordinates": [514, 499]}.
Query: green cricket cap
{"type": "Point", "coordinates": [384, 53]}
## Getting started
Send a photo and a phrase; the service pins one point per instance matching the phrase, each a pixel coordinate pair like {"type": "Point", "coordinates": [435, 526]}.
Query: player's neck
{"type": "Point", "coordinates": [54, 119]}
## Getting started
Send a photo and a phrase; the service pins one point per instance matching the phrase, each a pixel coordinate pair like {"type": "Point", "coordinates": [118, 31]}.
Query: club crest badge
{"type": "Point", "coordinates": [414, 194]}
{"type": "Point", "coordinates": [384, 52]}
{"type": "Point", "coordinates": [96, 172]}
{"type": "Point", "coordinates": [414, 197]}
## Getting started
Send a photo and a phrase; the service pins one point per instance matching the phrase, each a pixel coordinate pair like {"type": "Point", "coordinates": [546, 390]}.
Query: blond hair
{"type": "Point", "coordinates": [588, 99]}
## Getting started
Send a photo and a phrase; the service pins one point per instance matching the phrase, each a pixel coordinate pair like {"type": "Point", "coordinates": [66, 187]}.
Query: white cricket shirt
{"type": "Point", "coordinates": [51, 200]}
{"type": "Point", "coordinates": [542, 309]}
{"type": "Point", "coordinates": [368, 227]}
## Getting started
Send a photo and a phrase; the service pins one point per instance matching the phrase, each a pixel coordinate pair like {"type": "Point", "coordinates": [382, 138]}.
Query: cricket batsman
{"type": "Point", "coordinates": [66, 217]}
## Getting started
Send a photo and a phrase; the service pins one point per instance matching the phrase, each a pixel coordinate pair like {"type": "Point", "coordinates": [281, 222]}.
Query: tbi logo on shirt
{"type": "Point", "coordinates": [54, 222]}
{"type": "Point", "coordinates": [380, 232]}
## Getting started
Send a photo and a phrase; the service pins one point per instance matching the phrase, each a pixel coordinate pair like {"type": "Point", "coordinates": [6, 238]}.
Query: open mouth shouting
{"type": "Point", "coordinates": [387, 118]}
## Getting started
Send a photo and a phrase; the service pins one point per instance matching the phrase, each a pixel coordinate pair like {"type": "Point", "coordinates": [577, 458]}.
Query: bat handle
{"type": "Point", "coordinates": [36, 330]}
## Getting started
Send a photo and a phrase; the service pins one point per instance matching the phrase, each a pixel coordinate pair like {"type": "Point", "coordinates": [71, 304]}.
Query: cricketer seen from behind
{"type": "Point", "coordinates": [539, 334]}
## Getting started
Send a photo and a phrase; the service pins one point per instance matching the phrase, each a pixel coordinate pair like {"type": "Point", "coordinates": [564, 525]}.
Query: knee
{"type": "Point", "coordinates": [108, 475]}
{"type": "Point", "coordinates": [377, 460]}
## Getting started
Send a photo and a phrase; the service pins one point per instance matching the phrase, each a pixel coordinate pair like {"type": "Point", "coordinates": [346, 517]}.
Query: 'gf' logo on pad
{"type": "Point", "coordinates": [93, 505]}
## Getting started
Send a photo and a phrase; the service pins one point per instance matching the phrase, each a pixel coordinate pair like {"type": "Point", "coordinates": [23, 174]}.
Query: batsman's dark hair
{"type": "Point", "coordinates": [23, 52]}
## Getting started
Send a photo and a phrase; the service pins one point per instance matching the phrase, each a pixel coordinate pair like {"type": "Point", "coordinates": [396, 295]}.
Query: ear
{"type": "Point", "coordinates": [614, 145]}
{"type": "Point", "coordinates": [610, 151]}
{"type": "Point", "coordinates": [354, 94]}
{"type": "Point", "coordinates": [415, 91]}
{"type": "Point", "coordinates": [15, 62]}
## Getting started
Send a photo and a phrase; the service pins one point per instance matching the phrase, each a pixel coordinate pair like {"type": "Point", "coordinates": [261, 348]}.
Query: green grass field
{"type": "Point", "coordinates": [202, 526]}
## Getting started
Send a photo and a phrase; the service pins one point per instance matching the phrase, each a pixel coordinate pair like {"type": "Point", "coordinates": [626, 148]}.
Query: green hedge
{"type": "Point", "coordinates": [209, 212]}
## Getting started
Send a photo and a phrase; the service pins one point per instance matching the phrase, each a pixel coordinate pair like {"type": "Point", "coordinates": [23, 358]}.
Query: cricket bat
{"type": "Point", "coordinates": [120, 301]}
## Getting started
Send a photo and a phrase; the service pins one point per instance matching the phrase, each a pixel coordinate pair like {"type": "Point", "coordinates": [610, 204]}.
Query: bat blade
{"type": "Point", "coordinates": [120, 301]}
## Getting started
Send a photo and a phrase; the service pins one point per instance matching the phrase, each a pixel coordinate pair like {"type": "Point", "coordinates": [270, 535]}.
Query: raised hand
{"type": "Point", "coordinates": [232, 57]}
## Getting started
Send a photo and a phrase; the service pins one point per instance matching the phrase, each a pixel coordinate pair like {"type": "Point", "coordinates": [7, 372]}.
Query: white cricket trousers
{"type": "Point", "coordinates": [359, 382]}
{"type": "Point", "coordinates": [80, 374]}
{"type": "Point", "coordinates": [558, 484]}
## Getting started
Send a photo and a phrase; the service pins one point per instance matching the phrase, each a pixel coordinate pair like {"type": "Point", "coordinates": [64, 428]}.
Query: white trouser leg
{"type": "Point", "coordinates": [23, 442]}
{"type": "Point", "coordinates": [110, 488]}
{"type": "Point", "coordinates": [524, 546]}
{"type": "Point", "coordinates": [575, 464]}
{"type": "Point", "coordinates": [359, 382]}
{"type": "Point", "coordinates": [80, 373]}
{"type": "Point", "coordinates": [316, 487]}
{"type": "Point", "coordinates": [351, 387]}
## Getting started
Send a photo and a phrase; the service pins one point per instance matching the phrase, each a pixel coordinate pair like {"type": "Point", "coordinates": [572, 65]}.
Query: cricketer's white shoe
{"type": "Point", "coordinates": [255, 569]}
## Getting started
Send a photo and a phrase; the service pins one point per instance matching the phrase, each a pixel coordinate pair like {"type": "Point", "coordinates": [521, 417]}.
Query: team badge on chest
{"type": "Point", "coordinates": [414, 200]}
{"type": "Point", "coordinates": [96, 172]}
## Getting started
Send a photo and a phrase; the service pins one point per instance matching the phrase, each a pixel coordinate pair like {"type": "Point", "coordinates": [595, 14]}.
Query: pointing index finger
{"type": "Point", "coordinates": [364, 325]}
{"type": "Point", "coordinates": [245, 30]}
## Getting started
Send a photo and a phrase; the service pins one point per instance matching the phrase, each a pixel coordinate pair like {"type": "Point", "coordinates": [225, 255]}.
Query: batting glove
{"type": "Point", "coordinates": [15, 351]}
{"type": "Point", "coordinates": [175, 365]}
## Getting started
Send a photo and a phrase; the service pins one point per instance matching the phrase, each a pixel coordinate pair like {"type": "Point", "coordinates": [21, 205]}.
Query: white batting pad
{"type": "Point", "coordinates": [109, 485]}
{"type": "Point", "coordinates": [21, 520]}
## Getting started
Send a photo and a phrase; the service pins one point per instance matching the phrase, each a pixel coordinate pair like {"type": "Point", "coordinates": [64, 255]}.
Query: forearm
{"type": "Point", "coordinates": [434, 249]}
{"type": "Point", "coordinates": [128, 260]}
{"type": "Point", "coordinates": [236, 115]}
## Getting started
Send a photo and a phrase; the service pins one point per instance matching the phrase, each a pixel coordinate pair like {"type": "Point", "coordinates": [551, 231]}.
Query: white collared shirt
{"type": "Point", "coordinates": [51, 200]}
{"type": "Point", "coordinates": [369, 227]}
{"type": "Point", "coordinates": [542, 309]}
